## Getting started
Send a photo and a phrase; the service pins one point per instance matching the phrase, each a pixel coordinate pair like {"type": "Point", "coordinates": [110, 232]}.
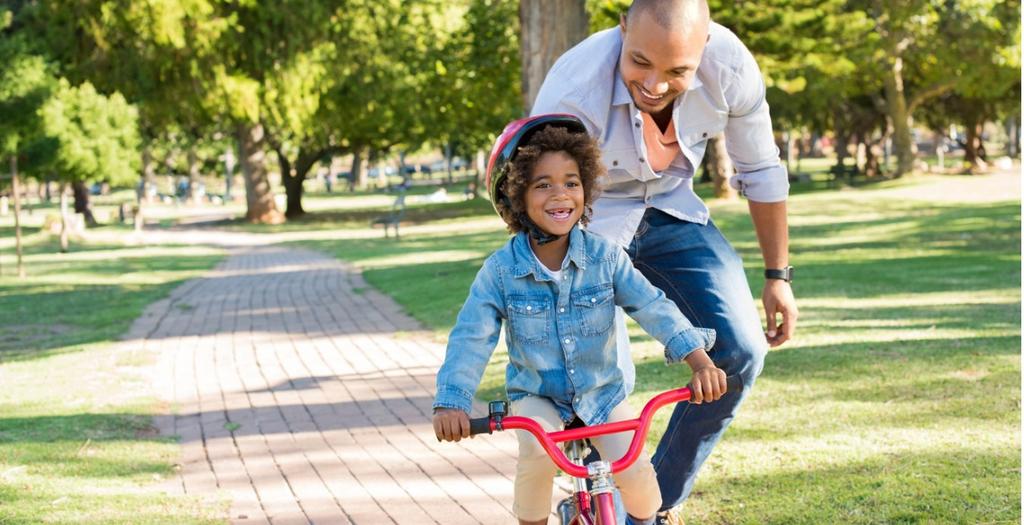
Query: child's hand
{"type": "Point", "coordinates": [450, 424]}
{"type": "Point", "coordinates": [708, 382]}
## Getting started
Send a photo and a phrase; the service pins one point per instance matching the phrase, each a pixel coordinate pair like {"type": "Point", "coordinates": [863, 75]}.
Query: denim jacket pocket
{"type": "Point", "coordinates": [595, 307]}
{"type": "Point", "coordinates": [529, 318]}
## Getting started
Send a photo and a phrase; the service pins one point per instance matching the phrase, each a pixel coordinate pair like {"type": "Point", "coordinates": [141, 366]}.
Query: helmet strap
{"type": "Point", "coordinates": [542, 237]}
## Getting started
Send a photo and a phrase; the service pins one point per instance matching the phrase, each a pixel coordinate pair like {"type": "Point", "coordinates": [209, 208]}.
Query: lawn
{"type": "Point", "coordinates": [899, 400]}
{"type": "Point", "coordinates": [76, 443]}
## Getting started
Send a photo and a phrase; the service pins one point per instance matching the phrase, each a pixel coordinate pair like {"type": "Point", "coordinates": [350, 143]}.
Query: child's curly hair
{"type": "Point", "coordinates": [583, 149]}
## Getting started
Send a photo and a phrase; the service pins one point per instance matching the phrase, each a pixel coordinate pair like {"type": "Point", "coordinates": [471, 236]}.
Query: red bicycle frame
{"type": "Point", "coordinates": [600, 472]}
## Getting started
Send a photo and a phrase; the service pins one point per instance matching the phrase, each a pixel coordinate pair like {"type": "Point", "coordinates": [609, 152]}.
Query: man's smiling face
{"type": "Point", "coordinates": [658, 64]}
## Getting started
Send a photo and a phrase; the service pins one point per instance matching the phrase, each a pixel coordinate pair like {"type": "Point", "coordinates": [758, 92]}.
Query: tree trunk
{"type": "Point", "coordinates": [896, 106]}
{"type": "Point", "coordinates": [16, 190]}
{"type": "Point", "coordinates": [973, 148]}
{"type": "Point", "coordinates": [478, 178]}
{"type": "Point", "coordinates": [358, 179]}
{"type": "Point", "coordinates": [841, 145]}
{"type": "Point", "coordinates": [148, 174]}
{"type": "Point", "coordinates": [872, 150]}
{"type": "Point", "coordinates": [82, 203]}
{"type": "Point", "coordinates": [548, 28]}
{"type": "Point", "coordinates": [720, 166]}
{"type": "Point", "coordinates": [259, 198]}
{"type": "Point", "coordinates": [293, 186]}
{"type": "Point", "coordinates": [194, 175]}
{"type": "Point", "coordinates": [448, 161]}
{"type": "Point", "coordinates": [64, 217]}
{"type": "Point", "coordinates": [1012, 137]}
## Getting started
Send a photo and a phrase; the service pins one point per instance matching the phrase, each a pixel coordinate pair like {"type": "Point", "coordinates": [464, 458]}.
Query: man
{"type": "Point", "coordinates": [653, 90]}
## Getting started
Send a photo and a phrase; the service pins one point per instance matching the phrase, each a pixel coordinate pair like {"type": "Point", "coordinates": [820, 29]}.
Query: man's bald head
{"type": "Point", "coordinates": [674, 15]}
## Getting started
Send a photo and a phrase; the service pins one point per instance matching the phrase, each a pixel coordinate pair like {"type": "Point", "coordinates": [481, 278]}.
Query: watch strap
{"type": "Point", "coordinates": [784, 274]}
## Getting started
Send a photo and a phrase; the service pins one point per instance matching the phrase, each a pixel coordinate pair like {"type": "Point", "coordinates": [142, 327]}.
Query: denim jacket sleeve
{"type": "Point", "coordinates": [471, 341]}
{"type": "Point", "coordinates": [656, 313]}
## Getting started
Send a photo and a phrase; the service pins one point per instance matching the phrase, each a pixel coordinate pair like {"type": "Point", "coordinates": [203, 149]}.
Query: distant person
{"type": "Point", "coordinates": [561, 341]}
{"type": "Point", "coordinates": [653, 91]}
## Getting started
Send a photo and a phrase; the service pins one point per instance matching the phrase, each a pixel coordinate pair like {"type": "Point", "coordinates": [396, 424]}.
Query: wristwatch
{"type": "Point", "coordinates": [785, 274]}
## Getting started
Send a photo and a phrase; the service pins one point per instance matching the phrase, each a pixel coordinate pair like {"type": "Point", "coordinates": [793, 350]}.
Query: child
{"type": "Point", "coordinates": [555, 288]}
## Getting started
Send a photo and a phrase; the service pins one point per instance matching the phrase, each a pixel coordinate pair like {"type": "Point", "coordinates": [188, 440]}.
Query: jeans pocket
{"type": "Point", "coordinates": [595, 308]}
{"type": "Point", "coordinates": [529, 318]}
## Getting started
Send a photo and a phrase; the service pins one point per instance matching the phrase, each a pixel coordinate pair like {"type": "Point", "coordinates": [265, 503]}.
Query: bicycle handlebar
{"type": "Point", "coordinates": [549, 441]}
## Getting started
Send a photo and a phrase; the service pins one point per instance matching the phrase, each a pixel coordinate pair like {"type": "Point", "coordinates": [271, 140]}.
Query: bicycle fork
{"type": "Point", "coordinates": [584, 506]}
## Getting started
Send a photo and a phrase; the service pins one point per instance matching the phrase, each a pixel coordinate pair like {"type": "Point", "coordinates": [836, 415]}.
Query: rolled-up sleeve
{"type": "Point", "coordinates": [759, 175]}
{"type": "Point", "coordinates": [471, 343]}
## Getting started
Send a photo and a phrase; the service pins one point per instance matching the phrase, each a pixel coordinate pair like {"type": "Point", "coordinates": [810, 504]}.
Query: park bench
{"type": "Point", "coordinates": [393, 217]}
{"type": "Point", "coordinates": [841, 172]}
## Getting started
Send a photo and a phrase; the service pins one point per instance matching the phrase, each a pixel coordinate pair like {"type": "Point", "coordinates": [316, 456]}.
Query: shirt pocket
{"type": "Point", "coordinates": [529, 318]}
{"type": "Point", "coordinates": [695, 134]}
{"type": "Point", "coordinates": [622, 164]}
{"type": "Point", "coordinates": [595, 309]}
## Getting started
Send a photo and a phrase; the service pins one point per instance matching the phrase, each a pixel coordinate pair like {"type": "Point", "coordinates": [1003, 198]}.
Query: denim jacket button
{"type": "Point", "coordinates": [593, 299]}
{"type": "Point", "coordinates": [529, 307]}
{"type": "Point", "coordinates": [561, 310]}
{"type": "Point", "coordinates": [567, 340]}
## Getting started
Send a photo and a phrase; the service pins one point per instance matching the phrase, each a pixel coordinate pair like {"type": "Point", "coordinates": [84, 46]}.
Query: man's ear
{"type": "Point", "coordinates": [622, 22]}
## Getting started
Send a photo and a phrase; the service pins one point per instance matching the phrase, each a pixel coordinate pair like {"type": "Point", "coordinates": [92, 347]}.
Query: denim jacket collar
{"type": "Point", "coordinates": [526, 262]}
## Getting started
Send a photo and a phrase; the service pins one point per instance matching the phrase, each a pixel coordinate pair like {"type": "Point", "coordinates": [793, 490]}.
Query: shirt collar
{"type": "Point", "coordinates": [620, 94]}
{"type": "Point", "coordinates": [526, 262]}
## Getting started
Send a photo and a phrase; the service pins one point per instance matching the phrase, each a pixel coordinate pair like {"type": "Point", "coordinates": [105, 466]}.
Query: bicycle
{"type": "Point", "coordinates": [596, 506]}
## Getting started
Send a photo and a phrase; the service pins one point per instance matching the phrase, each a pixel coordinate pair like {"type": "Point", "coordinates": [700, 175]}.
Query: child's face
{"type": "Point", "coordinates": [554, 197]}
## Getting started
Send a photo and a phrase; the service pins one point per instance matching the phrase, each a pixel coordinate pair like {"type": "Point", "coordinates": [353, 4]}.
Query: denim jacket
{"type": "Point", "coordinates": [560, 335]}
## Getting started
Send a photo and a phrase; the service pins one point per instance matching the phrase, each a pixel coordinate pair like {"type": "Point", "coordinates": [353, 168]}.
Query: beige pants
{"type": "Point", "coordinates": [535, 471]}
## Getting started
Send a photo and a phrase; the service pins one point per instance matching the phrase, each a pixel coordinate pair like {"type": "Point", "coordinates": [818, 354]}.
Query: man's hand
{"type": "Point", "coordinates": [778, 299]}
{"type": "Point", "coordinates": [450, 424]}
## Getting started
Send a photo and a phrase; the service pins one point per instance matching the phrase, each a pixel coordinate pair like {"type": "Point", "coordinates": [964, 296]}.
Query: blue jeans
{"type": "Point", "coordinates": [698, 269]}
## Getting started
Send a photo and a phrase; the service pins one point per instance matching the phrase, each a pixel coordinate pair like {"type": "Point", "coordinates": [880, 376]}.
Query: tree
{"type": "Point", "coordinates": [478, 79]}
{"type": "Point", "coordinates": [548, 28]}
{"type": "Point", "coordinates": [96, 138]}
{"type": "Point", "coordinates": [25, 84]}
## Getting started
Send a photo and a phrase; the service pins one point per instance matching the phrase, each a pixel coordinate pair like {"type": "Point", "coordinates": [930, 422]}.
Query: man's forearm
{"type": "Point", "coordinates": [772, 228]}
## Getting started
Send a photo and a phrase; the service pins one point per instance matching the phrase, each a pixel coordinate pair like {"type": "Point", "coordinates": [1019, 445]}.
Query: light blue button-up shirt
{"type": "Point", "coordinates": [561, 344]}
{"type": "Point", "coordinates": [727, 94]}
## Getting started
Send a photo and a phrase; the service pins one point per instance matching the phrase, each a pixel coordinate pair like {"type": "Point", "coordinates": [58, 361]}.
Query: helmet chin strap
{"type": "Point", "coordinates": [542, 237]}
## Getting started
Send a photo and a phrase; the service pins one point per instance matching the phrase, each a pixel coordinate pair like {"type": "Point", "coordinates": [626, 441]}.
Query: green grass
{"type": "Point", "coordinates": [76, 442]}
{"type": "Point", "coordinates": [899, 400]}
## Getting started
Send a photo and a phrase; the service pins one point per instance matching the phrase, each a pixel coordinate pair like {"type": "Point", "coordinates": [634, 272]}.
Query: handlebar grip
{"type": "Point", "coordinates": [733, 383]}
{"type": "Point", "coordinates": [479, 425]}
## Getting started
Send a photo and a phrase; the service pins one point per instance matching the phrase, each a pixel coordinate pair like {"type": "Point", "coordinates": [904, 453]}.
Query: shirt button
{"type": "Point", "coordinates": [704, 135]}
{"type": "Point", "coordinates": [593, 299]}
{"type": "Point", "coordinates": [641, 160]}
{"type": "Point", "coordinates": [567, 340]}
{"type": "Point", "coordinates": [572, 370]}
{"type": "Point", "coordinates": [615, 163]}
{"type": "Point", "coordinates": [562, 310]}
{"type": "Point", "coordinates": [564, 277]}
{"type": "Point", "coordinates": [637, 124]}
{"type": "Point", "coordinates": [528, 308]}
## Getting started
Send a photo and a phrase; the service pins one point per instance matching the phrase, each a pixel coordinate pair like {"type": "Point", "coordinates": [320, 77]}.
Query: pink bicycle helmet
{"type": "Point", "coordinates": [517, 133]}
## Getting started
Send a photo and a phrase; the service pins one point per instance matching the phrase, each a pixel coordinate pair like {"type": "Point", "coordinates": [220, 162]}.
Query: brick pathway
{"type": "Point", "coordinates": [303, 396]}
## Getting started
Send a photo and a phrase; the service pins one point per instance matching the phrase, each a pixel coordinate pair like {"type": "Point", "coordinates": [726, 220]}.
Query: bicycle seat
{"type": "Point", "coordinates": [575, 423]}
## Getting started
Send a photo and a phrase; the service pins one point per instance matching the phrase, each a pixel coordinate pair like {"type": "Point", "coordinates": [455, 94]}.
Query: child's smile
{"type": "Point", "coordinates": [554, 200]}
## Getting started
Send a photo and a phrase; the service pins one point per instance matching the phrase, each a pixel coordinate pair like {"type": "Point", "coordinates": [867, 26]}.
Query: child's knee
{"type": "Point", "coordinates": [639, 488]}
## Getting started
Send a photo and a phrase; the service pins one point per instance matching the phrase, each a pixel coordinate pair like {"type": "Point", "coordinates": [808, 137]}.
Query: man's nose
{"type": "Point", "coordinates": [655, 85]}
